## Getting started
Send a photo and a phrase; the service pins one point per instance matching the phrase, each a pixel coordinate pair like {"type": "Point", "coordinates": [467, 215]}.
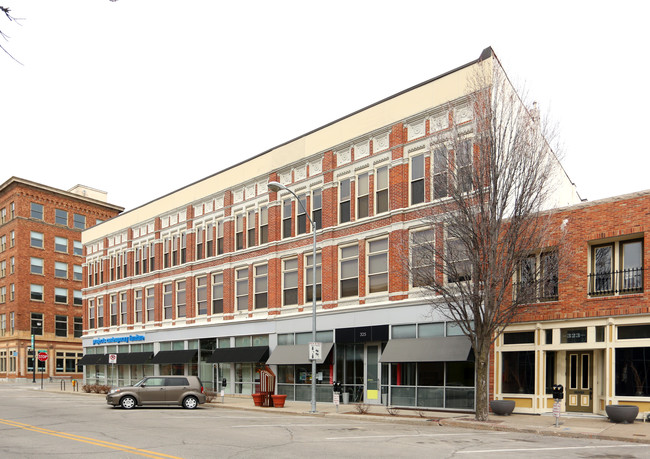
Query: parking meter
{"type": "Point", "coordinates": [224, 383]}
{"type": "Point", "coordinates": [558, 392]}
{"type": "Point", "coordinates": [336, 387]}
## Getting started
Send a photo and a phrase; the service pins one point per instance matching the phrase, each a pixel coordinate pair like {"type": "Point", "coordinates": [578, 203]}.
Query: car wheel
{"type": "Point", "coordinates": [128, 402]}
{"type": "Point", "coordinates": [190, 402]}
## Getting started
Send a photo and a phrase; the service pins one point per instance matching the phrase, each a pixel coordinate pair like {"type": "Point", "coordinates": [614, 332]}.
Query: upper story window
{"type": "Point", "coordinates": [464, 175]}
{"type": "Point", "coordinates": [166, 251]}
{"type": "Point", "coordinates": [137, 306]}
{"type": "Point", "coordinates": [209, 240]}
{"type": "Point", "coordinates": [349, 271]}
{"type": "Point", "coordinates": [77, 298]}
{"type": "Point", "coordinates": [440, 173]}
{"type": "Point", "coordinates": [381, 190]}
{"type": "Point", "coordinates": [12, 210]}
{"type": "Point", "coordinates": [220, 247]}
{"type": "Point", "coordinates": [36, 211]}
{"type": "Point", "coordinates": [36, 292]}
{"type": "Point", "coordinates": [78, 248]}
{"type": "Point", "coordinates": [12, 238]}
{"type": "Point", "coordinates": [77, 272]}
{"type": "Point", "coordinates": [150, 303]}
{"type": "Point", "coordinates": [422, 258]}
{"type": "Point", "coordinates": [250, 226]}
{"type": "Point", "coordinates": [79, 221]}
{"type": "Point", "coordinates": [183, 247]}
{"type": "Point", "coordinates": [363, 195]}
{"type": "Point", "coordinates": [202, 295]}
{"type": "Point", "coordinates": [241, 288]}
{"type": "Point", "coordinates": [36, 323]}
{"type": "Point", "coordinates": [113, 310]}
{"type": "Point", "coordinates": [261, 286]}
{"type": "Point", "coordinates": [286, 218]}
{"type": "Point", "coordinates": [217, 293]}
{"type": "Point", "coordinates": [199, 243]}
{"type": "Point", "coordinates": [378, 266]}
{"type": "Point", "coordinates": [344, 201]}
{"type": "Point", "coordinates": [3, 243]}
{"type": "Point", "coordinates": [168, 292]}
{"type": "Point", "coordinates": [537, 277]}
{"type": "Point", "coordinates": [616, 268]}
{"type": "Point", "coordinates": [309, 277]}
{"type": "Point", "coordinates": [301, 214]}
{"type": "Point", "coordinates": [174, 250]}
{"type": "Point", "coordinates": [36, 239]}
{"type": "Point", "coordinates": [290, 281]}
{"type": "Point", "coordinates": [180, 299]}
{"type": "Point", "coordinates": [3, 215]}
{"type": "Point", "coordinates": [60, 295]}
{"type": "Point", "coordinates": [239, 232]}
{"type": "Point", "coordinates": [417, 179]}
{"type": "Point", "coordinates": [317, 208]}
{"type": "Point", "coordinates": [61, 244]}
{"type": "Point", "coordinates": [123, 308]}
{"type": "Point", "coordinates": [458, 268]}
{"type": "Point", "coordinates": [264, 225]}
{"type": "Point", "coordinates": [61, 217]}
{"type": "Point", "coordinates": [36, 265]}
{"type": "Point", "coordinates": [60, 270]}
{"type": "Point", "coordinates": [91, 313]}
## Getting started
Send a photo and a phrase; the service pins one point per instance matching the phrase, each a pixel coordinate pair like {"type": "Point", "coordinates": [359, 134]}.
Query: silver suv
{"type": "Point", "coordinates": [186, 391]}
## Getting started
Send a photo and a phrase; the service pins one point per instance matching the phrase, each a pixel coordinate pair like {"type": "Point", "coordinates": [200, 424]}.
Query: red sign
{"type": "Point", "coordinates": [42, 356]}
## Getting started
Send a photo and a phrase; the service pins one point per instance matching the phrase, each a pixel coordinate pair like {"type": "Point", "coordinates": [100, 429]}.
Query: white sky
{"type": "Point", "coordinates": [142, 97]}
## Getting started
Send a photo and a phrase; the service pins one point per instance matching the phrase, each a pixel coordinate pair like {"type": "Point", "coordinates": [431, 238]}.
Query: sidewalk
{"type": "Point", "coordinates": [591, 426]}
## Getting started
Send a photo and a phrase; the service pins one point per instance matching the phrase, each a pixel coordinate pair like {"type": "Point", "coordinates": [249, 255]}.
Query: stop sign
{"type": "Point", "coordinates": [42, 356]}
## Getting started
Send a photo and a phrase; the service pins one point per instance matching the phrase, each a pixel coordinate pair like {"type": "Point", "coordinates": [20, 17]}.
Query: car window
{"type": "Point", "coordinates": [177, 382]}
{"type": "Point", "coordinates": [155, 382]}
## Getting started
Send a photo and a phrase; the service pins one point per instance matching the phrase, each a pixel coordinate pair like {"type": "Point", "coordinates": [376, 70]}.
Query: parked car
{"type": "Point", "coordinates": [186, 391]}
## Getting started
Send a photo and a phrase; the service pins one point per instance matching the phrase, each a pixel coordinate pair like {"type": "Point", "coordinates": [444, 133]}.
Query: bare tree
{"type": "Point", "coordinates": [494, 177]}
{"type": "Point", "coordinates": [7, 13]}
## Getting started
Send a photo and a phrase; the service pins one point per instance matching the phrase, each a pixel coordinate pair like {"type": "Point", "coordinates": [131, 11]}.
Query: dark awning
{"type": "Point", "coordinates": [174, 356]}
{"type": "Point", "coordinates": [251, 354]}
{"type": "Point", "coordinates": [90, 359]}
{"type": "Point", "coordinates": [440, 349]}
{"type": "Point", "coordinates": [296, 355]}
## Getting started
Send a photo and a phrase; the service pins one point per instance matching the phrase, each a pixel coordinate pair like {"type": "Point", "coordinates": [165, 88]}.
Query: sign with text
{"type": "Point", "coordinates": [315, 351]}
{"type": "Point", "coordinates": [42, 356]}
{"type": "Point", "coordinates": [112, 358]}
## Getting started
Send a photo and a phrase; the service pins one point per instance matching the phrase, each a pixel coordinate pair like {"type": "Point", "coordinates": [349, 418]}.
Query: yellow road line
{"type": "Point", "coordinates": [91, 441]}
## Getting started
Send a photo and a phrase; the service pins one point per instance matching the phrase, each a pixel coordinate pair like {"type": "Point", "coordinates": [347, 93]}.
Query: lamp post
{"type": "Point", "coordinates": [276, 186]}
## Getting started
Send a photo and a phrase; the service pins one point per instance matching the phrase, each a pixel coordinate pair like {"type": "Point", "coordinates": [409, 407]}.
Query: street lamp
{"type": "Point", "coordinates": [276, 186]}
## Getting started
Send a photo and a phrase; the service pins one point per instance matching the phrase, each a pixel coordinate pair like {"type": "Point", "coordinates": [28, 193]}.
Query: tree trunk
{"type": "Point", "coordinates": [482, 381]}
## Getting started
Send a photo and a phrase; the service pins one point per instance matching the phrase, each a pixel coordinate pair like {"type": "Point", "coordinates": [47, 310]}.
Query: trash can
{"type": "Point", "coordinates": [346, 397]}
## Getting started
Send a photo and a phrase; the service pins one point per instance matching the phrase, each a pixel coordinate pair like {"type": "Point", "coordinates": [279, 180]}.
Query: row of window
{"type": "Point", "coordinates": [37, 240]}
{"type": "Point", "coordinates": [61, 327]}
{"type": "Point", "coordinates": [3, 213]}
{"type": "Point", "coordinates": [3, 293]}
{"type": "Point", "coordinates": [3, 241]}
{"type": "Point", "coordinates": [36, 293]}
{"type": "Point", "coordinates": [37, 266]}
{"type": "Point", "coordinates": [36, 211]}
{"type": "Point", "coordinates": [7, 327]}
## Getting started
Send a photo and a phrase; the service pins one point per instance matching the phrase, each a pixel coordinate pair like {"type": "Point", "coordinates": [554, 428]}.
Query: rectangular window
{"type": "Point", "coordinates": [527, 282]}
{"type": "Point", "coordinates": [202, 295]}
{"type": "Point", "coordinates": [286, 218]}
{"type": "Point", "coordinates": [290, 281]}
{"type": "Point", "coordinates": [12, 238]}
{"type": "Point", "coordinates": [12, 292]}
{"type": "Point", "coordinates": [241, 289]}
{"type": "Point", "coordinates": [36, 265]}
{"type": "Point", "coordinates": [458, 268]}
{"type": "Point", "coordinates": [349, 271]}
{"type": "Point", "coordinates": [518, 374]}
{"type": "Point", "coordinates": [239, 232]}
{"type": "Point", "coordinates": [381, 190]}
{"type": "Point", "coordinates": [36, 323]}
{"type": "Point", "coordinates": [79, 221]}
{"type": "Point", "coordinates": [464, 167]}
{"type": "Point", "coordinates": [60, 270]}
{"type": "Point", "coordinates": [309, 277]}
{"type": "Point", "coordinates": [217, 293]}
{"type": "Point", "coordinates": [152, 256]}
{"type": "Point", "coordinates": [3, 294]}
{"type": "Point", "coordinates": [77, 298]}
{"type": "Point", "coordinates": [344, 201]}
{"type": "Point", "coordinates": [113, 309]}
{"type": "Point", "coordinates": [180, 299]}
{"type": "Point", "coordinates": [220, 247]}
{"type": "Point", "coordinates": [61, 295]}
{"type": "Point", "coordinates": [174, 250]}
{"type": "Point", "coordinates": [36, 211]}
{"type": "Point", "coordinates": [167, 301]}
{"type": "Point", "coordinates": [78, 326]}
{"type": "Point", "coordinates": [137, 306]}
{"type": "Point", "coordinates": [633, 372]}
{"type": "Point", "coordinates": [123, 308]}
{"type": "Point", "coordinates": [12, 265]}
{"type": "Point", "coordinates": [616, 268]}
{"type": "Point", "coordinates": [145, 258]}
{"type": "Point", "coordinates": [209, 240]}
{"type": "Point", "coordinates": [422, 258]}
{"type": "Point", "coordinates": [100, 312]}
{"type": "Point", "coordinates": [264, 225]}
{"type": "Point", "coordinates": [3, 243]}
{"type": "Point", "coordinates": [91, 314]}
{"type": "Point", "coordinates": [250, 225]}
{"type": "Point", "coordinates": [78, 249]}
{"type": "Point", "coordinates": [199, 243]}
{"type": "Point", "coordinates": [3, 324]}
{"type": "Point", "coordinates": [363, 195]}
{"type": "Point", "coordinates": [36, 239]}
{"type": "Point", "coordinates": [301, 214]}
{"type": "Point", "coordinates": [166, 250]}
{"type": "Point", "coordinates": [150, 303]}
{"type": "Point", "coordinates": [77, 272]}
{"type": "Point", "coordinates": [61, 217]}
{"type": "Point", "coordinates": [440, 173]}
{"type": "Point", "coordinates": [3, 268]}
{"type": "Point", "coordinates": [261, 286]}
{"type": "Point", "coordinates": [317, 208]}
{"type": "Point", "coordinates": [549, 275]}
{"type": "Point", "coordinates": [183, 247]}
{"type": "Point", "coordinates": [417, 179]}
{"type": "Point", "coordinates": [61, 326]}
{"type": "Point", "coordinates": [378, 266]}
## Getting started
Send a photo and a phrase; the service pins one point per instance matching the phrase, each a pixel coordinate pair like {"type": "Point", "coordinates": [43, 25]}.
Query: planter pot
{"type": "Point", "coordinates": [258, 399]}
{"type": "Point", "coordinates": [502, 407]}
{"type": "Point", "coordinates": [625, 414]}
{"type": "Point", "coordinates": [278, 400]}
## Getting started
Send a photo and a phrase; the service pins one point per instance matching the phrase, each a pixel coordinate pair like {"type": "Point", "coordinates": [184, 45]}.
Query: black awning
{"type": "Point", "coordinates": [440, 349]}
{"type": "Point", "coordinates": [253, 354]}
{"type": "Point", "coordinates": [297, 354]}
{"type": "Point", "coordinates": [133, 358]}
{"type": "Point", "coordinates": [174, 356]}
{"type": "Point", "coordinates": [90, 359]}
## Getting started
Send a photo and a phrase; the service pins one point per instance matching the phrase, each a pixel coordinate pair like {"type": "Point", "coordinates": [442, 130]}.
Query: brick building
{"type": "Point", "coordinates": [214, 279]}
{"type": "Point", "coordinates": [41, 260]}
{"type": "Point", "coordinates": [591, 333]}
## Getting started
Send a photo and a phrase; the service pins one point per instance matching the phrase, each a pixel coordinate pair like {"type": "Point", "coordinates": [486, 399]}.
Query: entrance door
{"type": "Point", "coordinates": [579, 392]}
{"type": "Point", "coordinates": [372, 389]}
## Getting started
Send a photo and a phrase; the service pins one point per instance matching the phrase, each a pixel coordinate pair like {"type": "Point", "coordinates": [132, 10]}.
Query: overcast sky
{"type": "Point", "coordinates": [141, 97]}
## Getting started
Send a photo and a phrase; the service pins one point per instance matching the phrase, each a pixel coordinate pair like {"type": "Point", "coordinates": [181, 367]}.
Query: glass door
{"type": "Point", "coordinates": [372, 379]}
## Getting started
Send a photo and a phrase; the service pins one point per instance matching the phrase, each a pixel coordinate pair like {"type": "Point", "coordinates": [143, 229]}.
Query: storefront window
{"type": "Point", "coordinates": [518, 373]}
{"type": "Point", "coordinates": [633, 372]}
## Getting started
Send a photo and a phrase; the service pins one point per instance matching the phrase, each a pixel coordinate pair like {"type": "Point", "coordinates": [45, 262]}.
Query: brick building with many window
{"type": "Point", "coordinates": [41, 260]}
{"type": "Point", "coordinates": [215, 279]}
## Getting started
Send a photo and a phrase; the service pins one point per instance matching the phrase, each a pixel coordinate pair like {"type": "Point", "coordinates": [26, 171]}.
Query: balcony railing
{"type": "Point", "coordinates": [536, 292]}
{"type": "Point", "coordinates": [616, 282]}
